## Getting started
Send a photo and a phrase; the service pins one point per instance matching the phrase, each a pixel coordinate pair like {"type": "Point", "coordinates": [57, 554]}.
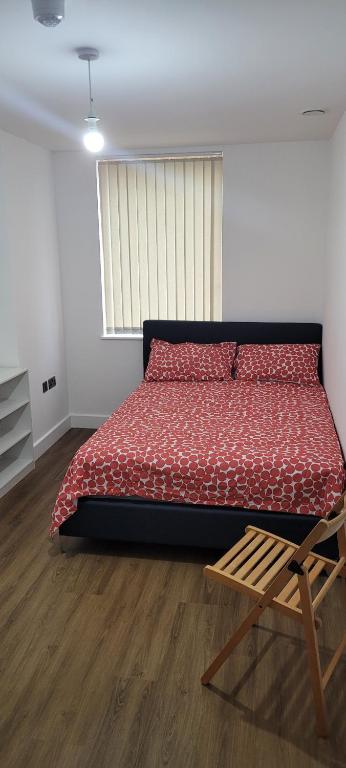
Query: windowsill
{"type": "Point", "coordinates": [123, 336]}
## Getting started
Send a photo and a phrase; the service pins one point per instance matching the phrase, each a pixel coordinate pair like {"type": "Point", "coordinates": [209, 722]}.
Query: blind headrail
{"type": "Point", "coordinates": [160, 158]}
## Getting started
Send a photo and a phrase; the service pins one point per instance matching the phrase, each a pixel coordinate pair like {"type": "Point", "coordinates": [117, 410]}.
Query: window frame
{"type": "Point", "coordinates": [135, 334]}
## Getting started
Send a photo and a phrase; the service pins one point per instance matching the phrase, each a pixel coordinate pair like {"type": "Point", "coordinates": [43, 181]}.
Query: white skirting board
{"type": "Point", "coordinates": [26, 469]}
{"type": "Point", "coordinates": [87, 420]}
{"type": "Point", "coordinates": [77, 420]}
{"type": "Point", "coordinates": [47, 440]}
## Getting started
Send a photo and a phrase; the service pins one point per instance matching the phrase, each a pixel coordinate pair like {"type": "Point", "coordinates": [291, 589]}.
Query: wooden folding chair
{"type": "Point", "coordinates": [279, 574]}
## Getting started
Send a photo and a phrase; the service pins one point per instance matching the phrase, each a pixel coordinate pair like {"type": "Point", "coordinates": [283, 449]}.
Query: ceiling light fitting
{"type": "Point", "coordinates": [313, 112]}
{"type": "Point", "coordinates": [48, 12]}
{"type": "Point", "coordinates": [93, 139]}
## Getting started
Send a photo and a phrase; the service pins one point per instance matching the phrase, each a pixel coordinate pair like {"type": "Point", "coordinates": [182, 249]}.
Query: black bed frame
{"type": "Point", "coordinates": [134, 519]}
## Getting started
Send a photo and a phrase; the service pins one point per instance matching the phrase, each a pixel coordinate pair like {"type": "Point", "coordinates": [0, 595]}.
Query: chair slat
{"type": "Point", "coordinates": [245, 569]}
{"type": "Point", "coordinates": [275, 568]}
{"type": "Point", "coordinates": [313, 574]}
{"type": "Point", "coordinates": [235, 549]}
{"type": "Point", "coordinates": [288, 590]}
{"type": "Point", "coordinates": [244, 553]}
{"type": "Point", "coordinates": [265, 563]}
{"type": "Point", "coordinates": [292, 585]}
{"type": "Point", "coordinates": [231, 581]}
{"type": "Point", "coordinates": [273, 535]}
{"type": "Point", "coordinates": [328, 583]}
{"type": "Point", "coordinates": [253, 528]}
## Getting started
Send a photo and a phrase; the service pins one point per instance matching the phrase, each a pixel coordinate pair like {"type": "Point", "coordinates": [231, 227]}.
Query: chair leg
{"type": "Point", "coordinates": [337, 654]}
{"type": "Point", "coordinates": [313, 655]}
{"type": "Point", "coordinates": [231, 644]}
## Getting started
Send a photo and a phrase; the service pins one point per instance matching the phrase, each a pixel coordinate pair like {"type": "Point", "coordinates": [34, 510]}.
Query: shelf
{"type": "Point", "coordinates": [12, 438]}
{"type": "Point", "coordinates": [16, 444]}
{"type": "Point", "coordinates": [11, 406]}
{"type": "Point", "coordinates": [7, 374]}
{"type": "Point", "coordinates": [12, 472]}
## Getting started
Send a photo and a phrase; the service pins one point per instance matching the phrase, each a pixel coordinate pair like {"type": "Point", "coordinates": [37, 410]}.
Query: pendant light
{"type": "Point", "coordinates": [93, 138]}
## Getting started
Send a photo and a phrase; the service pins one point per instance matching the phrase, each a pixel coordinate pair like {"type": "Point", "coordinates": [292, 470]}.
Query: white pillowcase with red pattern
{"type": "Point", "coordinates": [294, 363]}
{"type": "Point", "coordinates": [190, 361]}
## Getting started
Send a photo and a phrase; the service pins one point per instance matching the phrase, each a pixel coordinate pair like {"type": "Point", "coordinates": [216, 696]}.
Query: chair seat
{"type": "Point", "coordinates": [255, 560]}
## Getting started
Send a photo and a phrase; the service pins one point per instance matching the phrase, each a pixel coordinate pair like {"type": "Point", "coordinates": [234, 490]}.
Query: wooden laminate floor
{"type": "Point", "coordinates": [101, 652]}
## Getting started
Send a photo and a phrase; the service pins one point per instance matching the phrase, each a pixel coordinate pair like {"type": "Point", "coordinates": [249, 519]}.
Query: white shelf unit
{"type": "Point", "coordinates": [16, 445]}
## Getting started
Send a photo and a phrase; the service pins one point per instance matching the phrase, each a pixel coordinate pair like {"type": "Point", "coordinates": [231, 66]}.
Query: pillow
{"type": "Point", "coordinates": [296, 363]}
{"type": "Point", "coordinates": [189, 361]}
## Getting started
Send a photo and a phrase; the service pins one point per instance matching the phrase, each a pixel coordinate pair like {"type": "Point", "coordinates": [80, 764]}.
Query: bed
{"type": "Point", "coordinates": [172, 418]}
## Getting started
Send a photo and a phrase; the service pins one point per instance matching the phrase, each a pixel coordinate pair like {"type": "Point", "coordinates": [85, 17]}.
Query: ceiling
{"type": "Point", "coordinates": [175, 72]}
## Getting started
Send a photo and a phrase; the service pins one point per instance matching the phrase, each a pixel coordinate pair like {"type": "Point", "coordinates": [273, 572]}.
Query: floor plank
{"type": "Point", "coordinates": [101, 651]}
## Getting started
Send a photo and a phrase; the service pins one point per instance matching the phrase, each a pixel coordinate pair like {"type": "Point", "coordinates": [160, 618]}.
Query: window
{"type": "Point", "coordinates": [160, 236]}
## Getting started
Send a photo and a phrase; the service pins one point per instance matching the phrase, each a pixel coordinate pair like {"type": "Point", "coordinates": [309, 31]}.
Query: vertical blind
{"type": "Point", "coordinates": [161, 239]}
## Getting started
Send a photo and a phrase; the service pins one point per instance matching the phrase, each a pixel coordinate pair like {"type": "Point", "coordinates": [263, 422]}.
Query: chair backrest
{"type": "Point", "coordinates": [326, 527]}
{"type": "Point", "coordinates": [332, 526]}
{"type": "Point", "coordinates": [322, 531]}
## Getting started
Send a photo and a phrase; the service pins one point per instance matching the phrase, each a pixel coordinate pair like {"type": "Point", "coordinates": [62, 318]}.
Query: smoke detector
{"type": "Point", "coordinates": [48, 12]}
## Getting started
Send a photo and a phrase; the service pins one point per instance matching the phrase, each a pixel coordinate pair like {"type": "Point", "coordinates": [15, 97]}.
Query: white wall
{"type": "Point", "coordinates": [33, 327]}
{"type": "Point", "coordinates": [273, 257]}
{"type": "Point", "coordinates": [275, 198]}
{"type": "Point", "coordinates": [8, 335]}
{"type": "Point", "coordinates": [334, 340]}
{"type": "Point", "coordinates": [101, 372]}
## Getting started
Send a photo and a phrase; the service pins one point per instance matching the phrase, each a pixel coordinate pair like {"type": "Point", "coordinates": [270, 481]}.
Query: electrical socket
{"type": "Point", "coordinates": [44, 386]}
{"type": "Point", "coordinates": [51, 382]}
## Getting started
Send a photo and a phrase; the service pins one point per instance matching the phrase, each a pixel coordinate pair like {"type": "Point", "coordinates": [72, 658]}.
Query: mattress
{"type": "Point", "coordinates": [268, 446]}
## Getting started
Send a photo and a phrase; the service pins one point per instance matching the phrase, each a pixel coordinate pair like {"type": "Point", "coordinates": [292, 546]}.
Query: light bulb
{"type": "Point", "coordinates": [93, 140]}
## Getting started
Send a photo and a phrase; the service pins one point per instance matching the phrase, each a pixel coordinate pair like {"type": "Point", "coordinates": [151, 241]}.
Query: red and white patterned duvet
{"type": "Point", "coordinates": [269, 446]}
